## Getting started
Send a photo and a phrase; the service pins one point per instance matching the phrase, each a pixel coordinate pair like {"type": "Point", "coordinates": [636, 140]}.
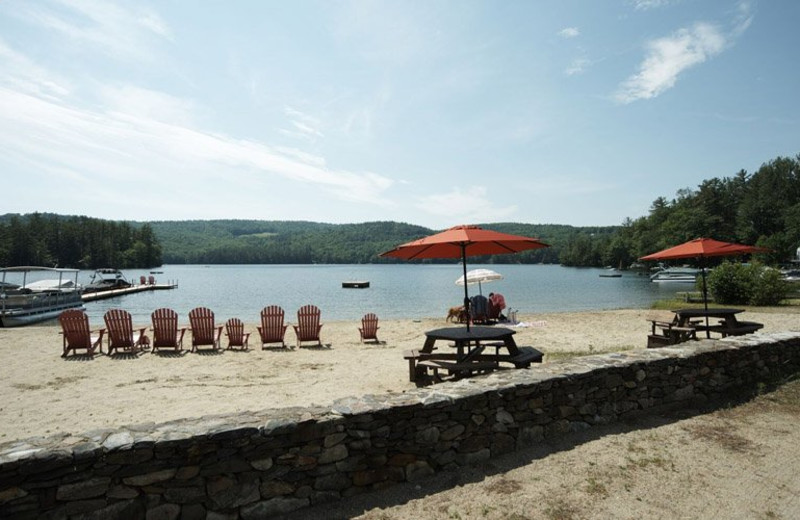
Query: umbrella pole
{"type": "Point", "coordinates": [466, 294]}
{"type": "Point", "coordinates": [705, 294]}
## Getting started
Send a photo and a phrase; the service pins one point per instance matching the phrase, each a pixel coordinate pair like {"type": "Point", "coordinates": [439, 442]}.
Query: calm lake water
{"type": "Point", "coordinates": [396, 291]}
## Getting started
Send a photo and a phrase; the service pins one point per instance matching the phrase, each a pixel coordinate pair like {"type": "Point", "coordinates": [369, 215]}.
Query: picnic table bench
{"type": "Point", "coordinates": [421, 363]}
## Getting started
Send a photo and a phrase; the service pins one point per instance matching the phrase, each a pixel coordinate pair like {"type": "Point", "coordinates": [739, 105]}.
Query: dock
{"type": "Point", "coordinates": [113, 293]}
{"type": "Point", "coordinates": [356, 284]}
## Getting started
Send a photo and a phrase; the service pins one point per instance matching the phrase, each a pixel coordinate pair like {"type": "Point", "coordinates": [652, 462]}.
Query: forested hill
{"type": "Point", "coordinates": [293, 242]}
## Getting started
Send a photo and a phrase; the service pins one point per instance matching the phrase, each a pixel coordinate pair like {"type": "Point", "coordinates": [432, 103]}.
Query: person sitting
{"type": "Point", "coordinates": [496, 305]}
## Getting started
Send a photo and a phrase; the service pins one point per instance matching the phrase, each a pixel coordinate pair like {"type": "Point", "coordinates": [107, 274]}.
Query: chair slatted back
{"type": "Point", "coordinates": [165, 328]}
{"type": "Point", "coordinates": [234, 328]}
{"type": "Point", "coordinates": [308, 326]}
{"type": "Point", "coordinates": [369, 327]}
{"type": "Point", "coordinates": [272, 329]}
{"type": "Point", "coordinates": [120, 329]}
{"type": "Point", "coordinates": [77, 334]}
{"type": "Point", "coordinates": [75, 326]}
{"type": "Point", "coordinates": [203, 330]}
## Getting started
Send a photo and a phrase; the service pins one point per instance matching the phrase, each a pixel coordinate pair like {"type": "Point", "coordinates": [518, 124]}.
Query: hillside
{"type": "Point", "coordinates": [257, 241]}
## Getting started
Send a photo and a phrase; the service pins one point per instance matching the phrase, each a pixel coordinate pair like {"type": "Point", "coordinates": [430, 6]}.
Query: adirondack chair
{"type": "Point", "coordinates": [201, 320]}
{"type": "Point", "coordinates": [237, 337]}
{"type": "Point", "coordinates": [272, 329]}
{"type": "Point", "coordinates": [479, 309]}
{"type": "Point", "coordinates": [308, 325]}
{"type": "Point", "coordinates": [77, 335]}
{"type": "Point", "coordinates": [369, 327]}
{"type": "Point", "coordinates": [165, 330]}
{"type": "Point", "coordinates": [121, 335]}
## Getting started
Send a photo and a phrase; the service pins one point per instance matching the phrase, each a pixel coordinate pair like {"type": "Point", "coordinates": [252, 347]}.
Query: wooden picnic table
{"type": "Point", "coordinates": [470, 351]}
{"type": "Point", "coordinates": [727, 322]}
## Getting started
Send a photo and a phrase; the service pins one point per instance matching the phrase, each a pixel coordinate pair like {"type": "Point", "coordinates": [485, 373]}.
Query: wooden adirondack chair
{"type": "Point", "coordinates": [237, 337]}
{"type": "Point", "coordinates": [204, 332]}
{"type": "Point", "coordinates": [308, 325]}
{"type": "Point", "coordinates": [369, 327]}
{"type": "Point", "coordinates": [77, 335]}
{"type": "Point", "coordinates": [121, 335]}
{"type": "Point", "coordinates": [272, 329]}
{"type": "Point", "coordinates": [165, 330]}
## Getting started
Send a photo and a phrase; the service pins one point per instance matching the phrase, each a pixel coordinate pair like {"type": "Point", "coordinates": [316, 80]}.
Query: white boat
{"type": "Point", "coordinates": [106, 279]}
{"type": "Point", "coordinates": [676, 275]}
{"type": "Point", "coordinates": [26, 297]}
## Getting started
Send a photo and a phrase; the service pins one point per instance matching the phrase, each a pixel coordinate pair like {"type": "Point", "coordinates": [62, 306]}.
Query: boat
{"type": "Point", "coordinates": [32, 301]}
{"type": "Point", "coordinates": [355, 284]}
{"type": "Point", "coordinates": [106, 279]}
{"type": "Point", "coordinates": [611, 272]}
{"type": "Point", "coordinates": [676, 275]}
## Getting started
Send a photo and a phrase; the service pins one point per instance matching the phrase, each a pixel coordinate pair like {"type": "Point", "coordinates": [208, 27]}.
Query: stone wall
{"type": "Point", "coordinates": [259, 464]}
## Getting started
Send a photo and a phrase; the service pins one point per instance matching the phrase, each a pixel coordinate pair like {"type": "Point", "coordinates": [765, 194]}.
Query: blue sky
{"type": "Point", "coordinates": [430, 112]}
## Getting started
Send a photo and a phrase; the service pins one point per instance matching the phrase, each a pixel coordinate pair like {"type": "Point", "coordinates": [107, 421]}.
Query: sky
{"type": "Point", "coordinates": [430, 112]}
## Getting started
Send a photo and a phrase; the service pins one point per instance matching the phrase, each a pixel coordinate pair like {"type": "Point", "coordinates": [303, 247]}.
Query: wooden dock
{"type": "Point", "coordinates": [113, 293]}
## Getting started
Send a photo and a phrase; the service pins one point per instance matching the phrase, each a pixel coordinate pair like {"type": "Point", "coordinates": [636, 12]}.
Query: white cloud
{"type": "Point", "coordinates": [471, 204]}
{"type": "Point", "coordinates": [743, 18]}
{"type": "Point", "coordinates": [577, 66]}
{"type": "Point", "coordinates": [104, 146]}
{"type": "Point", "coordinates": [304, 126]}
{"type": "Point", "coordinates": [22, 74]}
{"type": "Point", "coordinates": [643, 5]}
{"type": "Point", "coordinates": [668, 57]}
{"type": "Point", "coordinates": [569, 32]}
{"type": "Point", "coordinates": [104, 26]}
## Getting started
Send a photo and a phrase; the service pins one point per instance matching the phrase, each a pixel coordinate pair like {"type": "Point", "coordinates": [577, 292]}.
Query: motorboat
{"type": "Point", "coordinates": [32, 298]}
{"type": "Point", "coordinates": [676, 275]}
{"type": "Point", "coordinates": [106, 279]}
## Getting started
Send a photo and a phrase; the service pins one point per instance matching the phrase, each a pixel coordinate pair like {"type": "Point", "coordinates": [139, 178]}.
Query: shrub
{"type": "Point", "coordinates": [729, 284]}
{"type": "Point", "coordinates": [740, 284]}
{"type": "Point", "coordinates": [767, 286]}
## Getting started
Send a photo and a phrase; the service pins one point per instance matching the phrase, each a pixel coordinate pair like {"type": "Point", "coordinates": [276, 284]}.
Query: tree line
{"type": "Point", "coordinates": [80, 242]}
{"type": "Point", "coordinates": [761, 209]}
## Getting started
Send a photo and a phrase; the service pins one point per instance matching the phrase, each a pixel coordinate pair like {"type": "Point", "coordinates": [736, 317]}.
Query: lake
{"type": "Point", "coordinates": [396, 291]}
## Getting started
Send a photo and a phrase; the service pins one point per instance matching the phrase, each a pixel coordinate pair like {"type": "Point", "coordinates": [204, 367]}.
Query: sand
{"type": "Point", "coordinates": [44, 394]}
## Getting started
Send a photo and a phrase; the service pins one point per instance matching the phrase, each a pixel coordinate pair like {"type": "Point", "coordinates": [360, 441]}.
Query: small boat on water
{"type": "Point", "coordinates": [611, 272]}
{"type": "Point", "coordinates": [30, 298]}
{"type": "Point", "coordinates": [355, 284]}
{"type": "Point", "coordinates": [106, 279]}
{"type": "Point", "coordinates": [676, 275]}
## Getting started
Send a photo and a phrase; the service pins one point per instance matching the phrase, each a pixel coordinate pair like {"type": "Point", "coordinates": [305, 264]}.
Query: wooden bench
{"type": "Point", "coordinates": [525, 357]}
{"type": "Point", "coordinates": [670, 334]}
{"type": "Point", "coordinates": [742, 328]}
{"type": "Point", "coordinates": [455, 368]}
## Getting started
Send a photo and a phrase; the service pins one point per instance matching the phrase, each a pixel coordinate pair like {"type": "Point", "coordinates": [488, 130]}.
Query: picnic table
{"type": "Point", "coordinates": [727, 322]}
{"type": "Point", "coordinates": [688, 322]}
{"type": "Point", "coordinates": [471, 354]}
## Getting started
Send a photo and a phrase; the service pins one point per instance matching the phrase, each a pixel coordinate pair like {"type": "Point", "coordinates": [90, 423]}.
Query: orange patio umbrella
{"type": "Point", "coordinates": [461, 242]}
{"type": "Point", "coordinates": [702, 248]}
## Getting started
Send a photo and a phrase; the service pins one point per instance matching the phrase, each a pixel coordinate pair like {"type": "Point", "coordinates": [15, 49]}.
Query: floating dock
{"type": "Point", "coordinates": [356, 284]}
{"type": "Point", "coordinates": [113, 293]}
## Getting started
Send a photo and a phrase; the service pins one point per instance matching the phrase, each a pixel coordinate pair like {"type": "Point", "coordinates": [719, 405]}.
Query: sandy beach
{"type": "Point", "coordinates": [44, 394]}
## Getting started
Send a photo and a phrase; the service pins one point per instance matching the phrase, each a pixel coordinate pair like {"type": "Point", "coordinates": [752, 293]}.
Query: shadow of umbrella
{"type": "Point", "coordinates": [702, 248]}
{"type": "Point", "coordinates": [461, 242]}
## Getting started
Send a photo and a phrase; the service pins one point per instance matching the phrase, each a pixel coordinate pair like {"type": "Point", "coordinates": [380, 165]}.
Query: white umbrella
{"type": "Point", "coordinates": [479, 276]}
